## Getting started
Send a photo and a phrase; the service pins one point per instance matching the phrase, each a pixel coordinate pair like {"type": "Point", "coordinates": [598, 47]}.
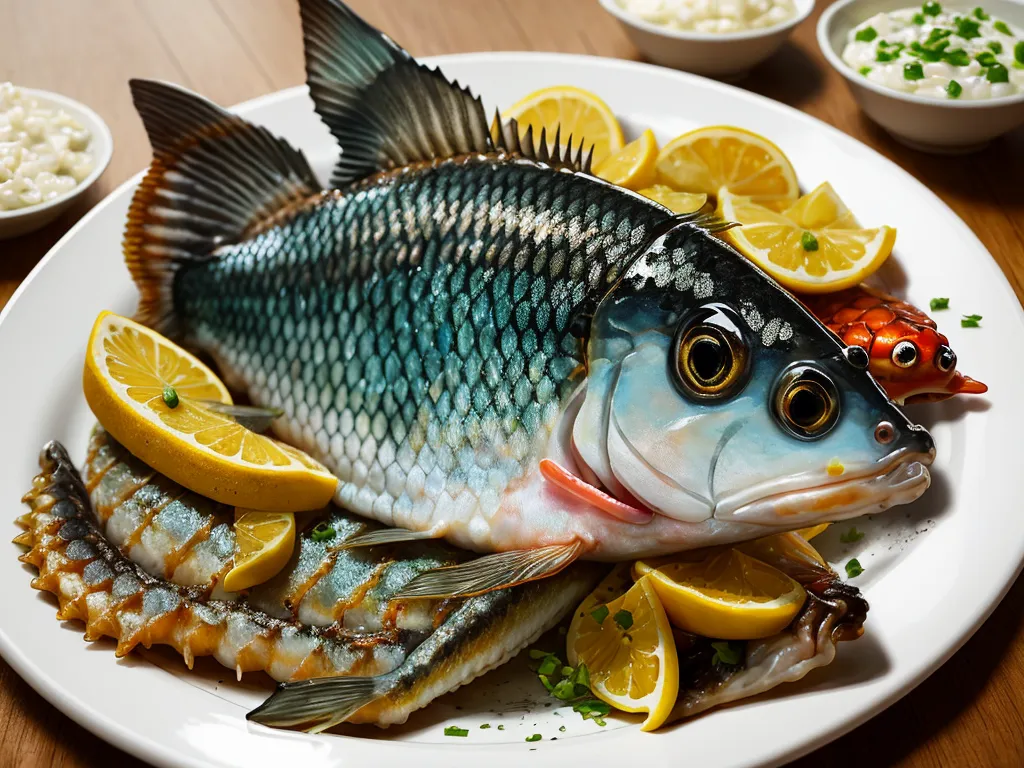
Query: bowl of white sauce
{"type": "Point", "coordinates": [52, 149]}
{"type": "Point", "coordinates": [718, 38]}
{"type": "Point", "coordinates": [944, 77]}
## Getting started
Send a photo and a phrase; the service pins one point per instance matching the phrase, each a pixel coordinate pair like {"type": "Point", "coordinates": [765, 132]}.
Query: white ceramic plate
{"type": "Point", "coordinates": [934, 570]}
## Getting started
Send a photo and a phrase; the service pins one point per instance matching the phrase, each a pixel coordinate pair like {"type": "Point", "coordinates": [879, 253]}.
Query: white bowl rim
{"type": "Point", "coordinates": [106, 144]}
{"type": "Point", "coordinates": [844, 69]}
{"type": "Point", "coordinates": [613, 7]}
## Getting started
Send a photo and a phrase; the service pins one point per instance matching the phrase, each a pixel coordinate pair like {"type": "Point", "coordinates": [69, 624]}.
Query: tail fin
{"type": "Point", "coordinates": [214, 179]}
{"type": "Point", "coordinates": [319, 704]}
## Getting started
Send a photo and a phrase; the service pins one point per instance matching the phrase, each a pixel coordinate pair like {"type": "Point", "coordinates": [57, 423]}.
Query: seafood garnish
{"type": "Point", "coordinates": [469, 302]}
{"type": "Point", "coordinates": [910, 358]}
{"type": "Point", "coordinates": [331, 612]}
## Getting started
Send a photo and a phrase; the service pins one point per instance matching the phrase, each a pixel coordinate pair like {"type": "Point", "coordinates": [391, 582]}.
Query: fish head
{"type": "Point", "coordinates": [714, 397]}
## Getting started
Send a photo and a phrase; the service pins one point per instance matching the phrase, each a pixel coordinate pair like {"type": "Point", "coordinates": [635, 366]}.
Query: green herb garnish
{"type": "Point", "coordinates": [865, 71]}
{"type": "Point", "coordinates": [561, 729]}
{"type": "Point", "coordinates": [170, 396]}
{"type": "Point", "coordinates": [809, 241]}
{"type": "Point", "coordinates": [322, 532]}
{"type": "Point", "coordinates": [980, 14]}
{"type": "Point", "coordinates": [986, 58]}
{"type": "Point", "coordinates": [931, 9]}
{"type": "Point", "coordinates": [853, 569]}
{"type": "Point", "coordinates": [937, 34]}
{"type": "Point", "coordinates": [918, 19]}
{"type": "Point", "coordinates": [600, 613]}
{"type": "Point", "coordinates": [501, 727]}
{"type": "Point", "coordinates": [1018, 52]}
{"type": "Point", "coordinates": [454, 730]}
{"type": "Point", "coordinates": [942, 303]}
{"type": "Point", "coordinates": [726, 653]}
{"type": "Point", "coordinates": [852, 535]}
{"type": "Point", "coordinates": [549, 666]}
{"type": "Point", "coordinates": [970, 321]}
{"type": "Point", "coordinates": [966, 28]}
{"type": "Point", "coordinates": [592, 709]}
{"type": "Point", "coordinates": [1000, 26]}
{"type": "Point", "coordinates": [535, 737]}
{"type": "Point", "coordinates": [624, 619]}
{"type": "Point", "coordinates": [997, 73]}
{"type": "Point", "coordinates": [913, 71]}
{"type": "Point", "coordinates": [485, 726]}
{"type": "Point", "coordinates": [537, 654]}
{"type": "Point", "coordinates": [866, 35]}
{"type": "Point", "coordinates": [995, 46]}
{"type": "Point", "coordinates": [953, 90]}
{"type": "Point", "coordinates": [957, 57]}
{"type": "Point", "coordinates": [888, 51]}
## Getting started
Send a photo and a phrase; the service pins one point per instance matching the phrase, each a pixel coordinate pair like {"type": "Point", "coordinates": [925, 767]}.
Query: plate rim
{"type": "Point", "coordinates": [148, 749]}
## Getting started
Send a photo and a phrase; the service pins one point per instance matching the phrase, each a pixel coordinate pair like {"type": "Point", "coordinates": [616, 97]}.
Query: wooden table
{"type": "Point", "coordinates": [970, 712]}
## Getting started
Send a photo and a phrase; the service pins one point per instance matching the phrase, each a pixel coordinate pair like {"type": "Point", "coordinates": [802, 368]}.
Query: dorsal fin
{"type": "Point", "coordinates": [507, 137]}
{"type": "Point", "coordinates": [385, 109]}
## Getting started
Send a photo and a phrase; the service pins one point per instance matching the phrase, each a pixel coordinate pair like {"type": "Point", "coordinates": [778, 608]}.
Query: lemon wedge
{"type": "Point", "coordinates": [628, 648]}
{"type": "Point", "coordinates": [632, 166]}
{"type": "Point", "coordinates": [147, 392]}
{"type": "Point", "coordinates": [821, 209]}
{"type": "Point", "coordinates": [574, 111]}
{"type": "Point", "coordinates": [721, 156]}
{"type": "Point", "coordinates": [677, 202]}
{"type": "Point", "coordinates": [263, 544]}
{"type": "Point", "coordinates": [810, 533]}
{"type": "Point", "coordinates": [806, 259]}
{"type": "Point", "coordinates": [727, 595]}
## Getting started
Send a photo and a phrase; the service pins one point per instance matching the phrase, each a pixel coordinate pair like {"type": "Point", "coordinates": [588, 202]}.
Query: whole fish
{"type": "Point", "coordinates": [138, 558]}
{"type": "Point", "coordinates": [486, 343]}
{"type": "Point", "coordinates": [907, 355]}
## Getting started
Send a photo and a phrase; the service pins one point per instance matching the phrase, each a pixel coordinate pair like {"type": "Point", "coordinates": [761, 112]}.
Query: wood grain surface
{"type": "Point", "coordinates": [970, 712]}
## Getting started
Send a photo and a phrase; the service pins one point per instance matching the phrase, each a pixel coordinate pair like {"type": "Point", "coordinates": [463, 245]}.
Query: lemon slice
{"type": "Point", "coordinates": [632, 166]}
{"type": "Point", "coordinates": [708, 159]}
{"type": "Point", "coordinates": [809, 260]}
{"type": "Point", "coordinates": [630, 653]}
{"type": "Point", "coordinates": [727, 595]}
{"type": "Point", "coordinates": [575, 111]}
{"type": "Point", "coordinates": [810, 533]}
{"type": "Point", "coordinates": [677, 202]}
{"type": "Point", "coordinates": [821, 209]}
{"type": "Point", "coordinates": [128, 369]}
{"type": "Point", "coordinates": [263, 544]}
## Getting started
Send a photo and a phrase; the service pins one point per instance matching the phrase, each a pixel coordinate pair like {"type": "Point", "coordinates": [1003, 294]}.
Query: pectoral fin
{"type": "Point", "coordinates": [386, 536]}
{"type": "Point", "coordinates": [490, 572]}
{"type": "Point", "coordinates": [316, 705]}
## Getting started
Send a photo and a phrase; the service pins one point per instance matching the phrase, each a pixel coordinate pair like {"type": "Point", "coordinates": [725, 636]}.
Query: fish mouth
{"type": "Point", "coordinates": [902, 478]}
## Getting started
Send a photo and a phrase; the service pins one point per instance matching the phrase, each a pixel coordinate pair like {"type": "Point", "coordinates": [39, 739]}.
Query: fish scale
{"type": "Point", "coordinates": [416, 333]}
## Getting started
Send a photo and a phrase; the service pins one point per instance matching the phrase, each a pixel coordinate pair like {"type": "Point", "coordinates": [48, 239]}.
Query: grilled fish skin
{"type": "Point", "coordinates": [398, 669]}
{"type": "Point", "coordinates": [470, 309]}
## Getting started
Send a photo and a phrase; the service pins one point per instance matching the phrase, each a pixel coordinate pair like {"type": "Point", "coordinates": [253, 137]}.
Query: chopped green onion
{"type": "Point", "coordinates": [866, 35]}
{"type": "Point", "coordinates": [913, 71]}
{"type": "Point", "coordinates": [1000, 26]}
{"type": "Point", "coordinates": [1018, 52]}
{"type": "Point", "coordinates": [726, 653]}
{"type": "Point", "coordinates": [931, 9]}
{"type": "Point", "coordinates": [986, 58]}
{"type": "Point", "coordinates": [501, 727]}
{"type": "Point", "coordinates": [322, 532]}
{"type": "Point", "coordinates": [997, 73]}
{"type": "Point", "coordinates": [561, 729]}
{"type": "Point", "coordinates": [535, 737]}
{"type": "Point", "coordinates": [600, 613]}
{"type": "Point", "coordinates": [957, 57]}
{"type": "Point", "coordinates": [549, 666]}
{"type": "Point", "coordinates": [980, 14]}
{"type": "Point", "coordinates": [537, 654]}
{"type": "Point", "coordinates": [938, 34]}
{"type": "Point", "coordinates": [852, 535]}
{"type": "Point", "coordinates": [995, 46]}
{"type": "Point", "coordinates": [485, 726]}
{"type": "Point", "coordinates": [853, 569]}
{"type": "Point", "coordinates": [953, 89]}
{"type": "Point", "coordinates": [170, 396]}
{"type": "Point", "coordinates": [966, 28]}
{"type": "Point", "coordinates": [809, 241]}
{"type": "Point", "coordinates": [888, 51]}
{"type": "Point", "coordinates": [970, 321]}
{"type": "Point", "coordinates": [592, 709]}
{"type": "Point", "coordinates": [624, 619]}
{"type": "Point", "coordinates": [941, 303]}
{"type": "Point", "coordinates": [918, 19]}
{"type": "Point", "coordinates": [454, 730]}
{"type": "Point", "coordinates": [865, 71]}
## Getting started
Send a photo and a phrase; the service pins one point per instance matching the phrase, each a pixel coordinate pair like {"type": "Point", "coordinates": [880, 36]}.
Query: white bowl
{"type": "Point", "coordinates": [727, 56]}
{"type": "Point", "coordinates": [931, 125]}
{"type": "Point", "coordinates": [24, 220]}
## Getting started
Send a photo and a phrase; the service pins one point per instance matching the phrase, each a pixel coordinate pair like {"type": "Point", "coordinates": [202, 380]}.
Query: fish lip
{"type": "Point", "coordinates": [902, 478]}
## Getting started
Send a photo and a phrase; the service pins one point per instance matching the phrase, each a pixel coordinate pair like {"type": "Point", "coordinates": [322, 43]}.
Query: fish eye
{"type": "Point", "coordinates": [857, 357]}
{"type": "Point", "coordinates": [806, 402]}
{"type": "Point", "coordinates": [904, 354]}
{"type": "Point", "coordinates": [711, 359]}
{"type": "Point", "coordinates": [945, 359]}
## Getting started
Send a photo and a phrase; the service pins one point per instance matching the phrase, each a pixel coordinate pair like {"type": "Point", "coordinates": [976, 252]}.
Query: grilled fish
{"type": "Point", "coordinates": [908, 356]}
{"type": "Point", "coordinates": [139, 559]}
{"type": "Point", "coordinates": [486, 343]}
